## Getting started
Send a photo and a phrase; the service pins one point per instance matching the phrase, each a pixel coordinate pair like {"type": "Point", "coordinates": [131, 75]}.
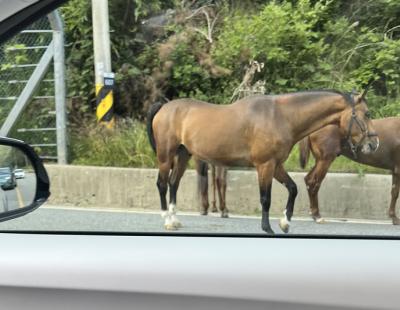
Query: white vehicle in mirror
{"type": "Point", "coordinates": [19, 173]}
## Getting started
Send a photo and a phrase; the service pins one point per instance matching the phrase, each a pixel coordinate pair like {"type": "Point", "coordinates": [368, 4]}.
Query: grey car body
{"type": "Point", "coordinates": [8, 180]}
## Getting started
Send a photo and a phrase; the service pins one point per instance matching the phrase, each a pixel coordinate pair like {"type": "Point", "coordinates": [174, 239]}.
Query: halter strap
{"type": "Point", "coordinates": [354, 119]}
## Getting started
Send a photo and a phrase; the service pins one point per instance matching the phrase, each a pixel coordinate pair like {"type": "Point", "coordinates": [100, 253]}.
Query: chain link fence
{"type": "Point", "coordinates": [18, 59]}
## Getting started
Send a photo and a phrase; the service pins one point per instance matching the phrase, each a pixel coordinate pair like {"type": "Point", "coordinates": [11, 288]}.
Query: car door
{"type": "Point", "coordinates": [61, 262]}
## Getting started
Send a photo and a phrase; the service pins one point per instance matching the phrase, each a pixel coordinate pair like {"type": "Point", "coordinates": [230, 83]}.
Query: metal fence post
{"type": "Point", "coordinates": [26, 95]}
{"type": "Point", "coordinates": [59, 79]}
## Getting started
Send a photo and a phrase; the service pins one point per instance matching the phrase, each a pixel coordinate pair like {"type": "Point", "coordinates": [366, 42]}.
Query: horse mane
{"type": "Point", "coordinates": [346, 95]}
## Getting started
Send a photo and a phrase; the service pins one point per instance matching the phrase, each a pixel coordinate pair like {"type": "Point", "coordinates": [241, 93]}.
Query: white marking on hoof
{"type": "Point", "coordinates": [284, 223]}
{"type": "Point", "coordinates": [171, 208]}
{"type": "Point", "coordinates": [225, 214]}
{"type": "Point", "coordinates": [164, 214]}
{"type": "Point", "coordinates": [169, 225]}
{"type": "Point", "coordinates": [172, 215]}
{"type": "Point", "coordinates": [320, 220]}
{"type": "Point", "coordinates": [175, 222]}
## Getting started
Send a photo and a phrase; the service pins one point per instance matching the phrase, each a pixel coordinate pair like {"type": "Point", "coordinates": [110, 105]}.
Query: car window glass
{"type": "Point", "coordinates": [209, 116]}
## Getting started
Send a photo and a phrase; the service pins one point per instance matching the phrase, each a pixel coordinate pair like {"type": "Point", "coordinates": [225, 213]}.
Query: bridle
{"type": "Point", "coordinates": [354, 120]}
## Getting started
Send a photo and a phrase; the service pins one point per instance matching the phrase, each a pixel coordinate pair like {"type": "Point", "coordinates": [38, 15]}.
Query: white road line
{"type": "Point", "coordinates": [20, 199]}
{"type": "Point", "coordinates": [186, 213]}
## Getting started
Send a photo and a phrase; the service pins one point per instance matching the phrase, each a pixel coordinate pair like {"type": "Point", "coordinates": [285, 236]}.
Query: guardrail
{"type": "Point", "coordinates": [342, 195]}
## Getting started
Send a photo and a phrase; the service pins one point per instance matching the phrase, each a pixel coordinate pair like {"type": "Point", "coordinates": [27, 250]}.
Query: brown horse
{"type": "Point", "coordinates": [329, 142]}
{"type": "Point", "coordinates": [218, 177]}
{"type": "Point", "coordinates": [257, 131]}
{"type": "Point", "coordinates": [246, 88]}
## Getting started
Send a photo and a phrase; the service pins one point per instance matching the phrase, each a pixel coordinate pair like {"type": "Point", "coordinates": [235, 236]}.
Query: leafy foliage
{"type": "Point", "coordinates": [162, 50]}
{"type": "Point", "coordinates": [305, 44]}
{"type": "Point", "coordinates": [126, 146]}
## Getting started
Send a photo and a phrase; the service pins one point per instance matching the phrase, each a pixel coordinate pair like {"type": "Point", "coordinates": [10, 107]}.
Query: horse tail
{"type": "Point", "coordinates": [150, 116]}
{"type": "Point", "coordinates": [304, 146]}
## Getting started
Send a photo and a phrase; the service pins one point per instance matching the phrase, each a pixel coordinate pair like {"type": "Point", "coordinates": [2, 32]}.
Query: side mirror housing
{"type": "Point", "coordinates": [24, 183]}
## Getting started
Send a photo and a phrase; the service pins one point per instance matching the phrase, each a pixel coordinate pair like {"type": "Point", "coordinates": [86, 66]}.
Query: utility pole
{"type": "Point", "coordinates": [60, 91]}
{"type": "Point", "coordinates": [102, 63]}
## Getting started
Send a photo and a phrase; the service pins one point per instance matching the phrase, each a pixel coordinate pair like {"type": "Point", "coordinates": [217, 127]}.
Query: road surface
{"type": "Point", "coordinates": [22, 195]}
{"type": "Point", "coordinates": [57, 218]}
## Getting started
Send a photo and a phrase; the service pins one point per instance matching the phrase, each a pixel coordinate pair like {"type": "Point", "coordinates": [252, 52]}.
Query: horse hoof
{"type": "Point", "coordinates": [203, 212]}
{"type": "Point", "coordinates": [225, 213]}
{"type": "Point", "coordinates": [269, 231]}
{"type": "Point", "coordinates": [396, 221]}
{"type": "Point", "coordinates": [177, 224]}
{"type": "Point", "coordinates": [170, 226]}
{"type": "Point", "coordinates": [318, 218]}
{"type": "Point", "coordinates": [284, 225]}
{"type": "Point", "coordinates": [214, 210]}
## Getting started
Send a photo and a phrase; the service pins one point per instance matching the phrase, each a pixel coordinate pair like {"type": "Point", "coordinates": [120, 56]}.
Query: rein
{"type": "Point", "coordinates": [365, 133]}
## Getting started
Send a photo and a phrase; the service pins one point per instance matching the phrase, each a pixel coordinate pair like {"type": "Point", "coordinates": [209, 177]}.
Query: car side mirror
{"type": "Point", "coordinates": [24, 183]}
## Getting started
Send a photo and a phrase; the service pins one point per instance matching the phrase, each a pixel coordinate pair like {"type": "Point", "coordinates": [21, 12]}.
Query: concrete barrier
{"type": "Point", "coordinates": [341, 196]}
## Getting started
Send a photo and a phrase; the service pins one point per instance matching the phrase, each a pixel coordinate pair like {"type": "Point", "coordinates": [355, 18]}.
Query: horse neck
{"type": "Point", "coordinates": [307, 114]}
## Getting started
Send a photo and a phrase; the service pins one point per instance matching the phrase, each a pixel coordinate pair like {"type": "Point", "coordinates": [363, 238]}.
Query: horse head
{"type": "Point", "coordinates": [356, 120]}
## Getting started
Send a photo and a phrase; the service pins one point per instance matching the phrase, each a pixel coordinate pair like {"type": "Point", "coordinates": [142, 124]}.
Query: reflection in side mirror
{"type": "Point", "coordinates": [17, 179]}
{"type": "Point", "coordinates": [24, 184]}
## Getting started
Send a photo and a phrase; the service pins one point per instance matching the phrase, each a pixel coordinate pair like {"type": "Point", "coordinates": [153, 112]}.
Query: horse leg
{"type": "Point", "coordinates": [221, 184]}
{"type": "Point", "coordinates": [395, 195]}
{"type": "Point", "coordinates": [283, 177]}
{"type": "Point", "coordinates": [180, 162]}
{"type": "Point", "coordinates": [214, 201]}
{"type": "Point", "coordinates": [162, 185]}
{"type": "Point", "coordinates": [265, 174]}
{"type": "Point", "coordinates": [202, 175]}
{"type": "Point", "coordinates": [313, 181]}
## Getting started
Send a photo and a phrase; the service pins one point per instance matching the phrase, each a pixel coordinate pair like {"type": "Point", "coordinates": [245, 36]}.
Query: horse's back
{"type": "Point", "coordinates": [388, 123]}
{"type": "Point", "coordinates": [388, 130]}
{"type": "Point", "coordinates": [188, 103]}
{"type": "Point", "coordinates": [182, 118]}
{"type": "Point", "coordinates": [254, 101]}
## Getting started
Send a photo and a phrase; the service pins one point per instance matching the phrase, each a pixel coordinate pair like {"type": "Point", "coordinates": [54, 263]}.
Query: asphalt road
{"type": "Point", "coordinates": [22, 195]}
{"type": "Point", "coordinates": [75, 219]}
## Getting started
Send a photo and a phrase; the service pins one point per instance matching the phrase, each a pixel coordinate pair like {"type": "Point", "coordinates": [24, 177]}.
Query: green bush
{"type": "Point", "coordinates": [125, 146]}
{"type": "Point", "coordinates": [281, 36]}
{"type": "Point", "coordinates": [304, 44]}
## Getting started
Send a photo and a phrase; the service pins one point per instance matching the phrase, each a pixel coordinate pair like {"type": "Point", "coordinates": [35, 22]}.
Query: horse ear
{"type": "Point", "coordinates": [364, 93]}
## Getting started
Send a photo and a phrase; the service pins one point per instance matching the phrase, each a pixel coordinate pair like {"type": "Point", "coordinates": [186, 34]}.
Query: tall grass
{"type": "Point", "coordinates": [128, 146]}
{"type": "Point", "coordinates": [125, 146]}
